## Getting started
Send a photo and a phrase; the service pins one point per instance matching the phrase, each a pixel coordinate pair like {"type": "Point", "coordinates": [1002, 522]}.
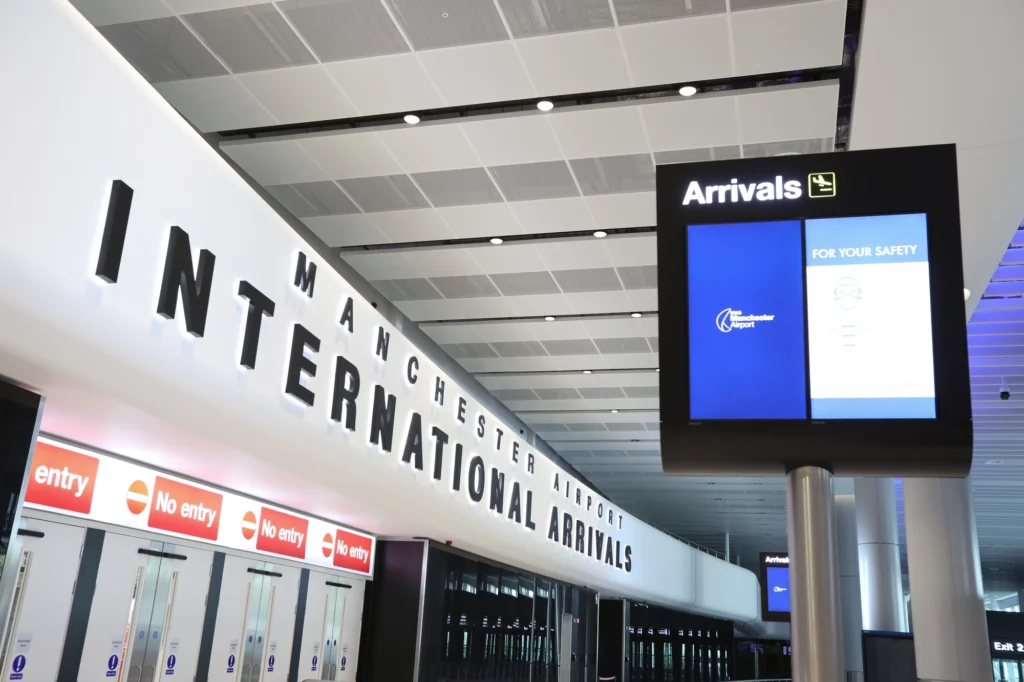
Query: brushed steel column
{"type": "Point", "coordinates": [817, 633]}
{"type": "Point", "coordinates": [881, 575]}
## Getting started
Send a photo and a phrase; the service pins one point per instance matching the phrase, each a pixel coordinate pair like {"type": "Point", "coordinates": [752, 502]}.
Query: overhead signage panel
{"type": "Point", "coordinates": [107, 490]}
{"type": "Point", "coordinates": [815, 317]}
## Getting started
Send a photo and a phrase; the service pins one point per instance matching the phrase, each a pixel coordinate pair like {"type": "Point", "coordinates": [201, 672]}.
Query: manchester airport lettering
{"type": "Point", "coordinates": [736, 191]}
{"type": "Point", "coordinates": [504, 496]}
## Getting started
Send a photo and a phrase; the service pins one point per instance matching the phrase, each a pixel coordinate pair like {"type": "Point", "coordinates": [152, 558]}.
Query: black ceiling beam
{"type": "Point", "coordinates": [650, 92]}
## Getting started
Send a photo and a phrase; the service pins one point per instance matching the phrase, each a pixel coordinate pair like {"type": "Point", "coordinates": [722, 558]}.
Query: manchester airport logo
{"type": "Point", "coordinates": [730, 319]}
{"type": "Point", "coordinates": [821, 185]}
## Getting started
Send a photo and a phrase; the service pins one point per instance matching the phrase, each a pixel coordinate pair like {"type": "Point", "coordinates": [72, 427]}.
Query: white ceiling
{"type": "Point", "coordinates": [396, 196]}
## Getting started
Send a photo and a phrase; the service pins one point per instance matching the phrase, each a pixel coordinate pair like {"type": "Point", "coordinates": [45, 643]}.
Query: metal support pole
{"type": "Point", "coordinates": [726, 548]}
{"type": "Point", "coordinates": [814, 577]}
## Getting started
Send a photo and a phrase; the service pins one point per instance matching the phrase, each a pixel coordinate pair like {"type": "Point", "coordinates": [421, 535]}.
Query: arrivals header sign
{"type": "Point", "coordinates": [107, 490]}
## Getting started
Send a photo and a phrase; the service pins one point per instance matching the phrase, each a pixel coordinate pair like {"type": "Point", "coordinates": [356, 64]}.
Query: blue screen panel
{"type": "Point", "coordinates": [746, 318]}
{"type": "Point", "coordinates": [869, 318]}
{"type": "Point", "coordinates": [778, 589]}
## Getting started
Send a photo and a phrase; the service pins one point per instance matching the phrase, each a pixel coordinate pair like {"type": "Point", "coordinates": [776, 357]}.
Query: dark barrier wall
{"type": "Point", "coordinates": [612, 639]}
{"type": "Point", "coordinates": [491, 623]}
{"type": "Point", "coordinates": [19, 425]}
{"type": "Point", "coordinates": [676, 646]}
{"type": "Point", "coordinates": [391, 613]}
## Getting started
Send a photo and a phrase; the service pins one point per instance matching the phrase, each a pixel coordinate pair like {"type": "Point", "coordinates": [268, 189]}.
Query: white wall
{"type": "Point", "coordinates": [118, 376]}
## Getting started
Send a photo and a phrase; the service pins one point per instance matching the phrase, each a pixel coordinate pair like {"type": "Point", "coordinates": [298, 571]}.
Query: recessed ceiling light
{"type": "Point", "coordinates": [497, 240]}
{"type": "Point", "coordinates": [412, 119]}
{"type": "Point", "coordinates": [967, 293]}
{"type": "Point", "coordinates": [994, 461]}
{"type": "Point", "coordinates": [545, 105]}
{"type": "Point", "coordinates": [587, 371]}
{"type": "Point", "coordinates": [614, 411]}
{"type": "Point", "coordinates": [549, 318]}
{"type": "Point", "coordinates": [600, 234]}
{"type": "Point", "coordinates": [687, 91]}
{"type": "Point", "coordinates": [636, 315]}
{"type": "Point", "coordinates": [657, 369]}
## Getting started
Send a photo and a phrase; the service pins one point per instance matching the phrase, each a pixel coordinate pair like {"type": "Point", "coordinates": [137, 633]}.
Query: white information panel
{"type": "Point", "coordinates": [869, 318]}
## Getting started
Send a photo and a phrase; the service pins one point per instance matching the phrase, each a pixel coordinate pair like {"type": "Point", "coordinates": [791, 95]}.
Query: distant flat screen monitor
{"type": "Point", "coordinates": [775, 588]}
{"type": "Point", "coordinates": [778, 589]}
{"type": "Point", "coordinates": [811, 319]}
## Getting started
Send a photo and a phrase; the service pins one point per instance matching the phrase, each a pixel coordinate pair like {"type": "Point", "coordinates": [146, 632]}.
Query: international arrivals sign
{"type": "Point", "coordinates": [108, 490]}
{"type": "Point", "coordinates": [361, 405]}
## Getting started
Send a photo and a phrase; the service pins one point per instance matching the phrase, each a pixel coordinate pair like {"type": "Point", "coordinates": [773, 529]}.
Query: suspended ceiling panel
{"type": "Point", "coordinates": [302, 61]}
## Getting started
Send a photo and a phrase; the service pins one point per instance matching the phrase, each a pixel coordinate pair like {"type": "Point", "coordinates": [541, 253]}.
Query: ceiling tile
{"type": "Point", "coordinates": [469, 350]}
{"type": "Point", "coordinates": [610, 174]}
{"type": "Point", "coordinates": [581, 253]}
{"type": "Point", "coordinates": [509, 257]}
{"type": "Point", "coordinates": [741, 5]}
{"type": "Point", "coordinates": [553, 215]}
{"type": "Point", "coordinates": [539, 17]}
{"type": "Point", "coordinates": [274, 163]}
{"type": "Point", "coordinates": [587, 279]}
{"type": "Point", "coordinates": [377, 265]}
{"type": "Point", "coordinates": [544, 180]}
{"type": "Point", "coordinates": [625, 345]}
{"type": "Point", "coordinates": [345, 230]}
{"type": "Point", "coordinates": [412, 225]}
{"type": "Point", "coordinates": [216, 103]}
{"type": "Point", "coordinates": [586, 428]}
{"type": "Point", "coordinates": [587, 61]}
{"type": "Point", "coordinates": [557, 393]}
{"type": "Point", "coordinates": [798, 36]}
{"type": "Point", "coordinates": [480, 220]}
{"type": "Point", "coordinates": [409, 87]}
{"type": "Point", "coordinates": [414, 289]}
{"type": "Point", "coordinates": [386, 193]}
{"type": "Point", "coordinates": [345, 29]}
{"type": "Point", "coordinates": [427, 147]}
{"type": "Point", "coordinates": [694, 123]}
{"type": "Point", "coordinates": [621, 427]}
{"type": "Point", "coordinates": [570, 347]}
{"type": "Point", "coordinates": [192, 6]}
{"type": "Point", "coordinates": [520, 349]}
{"type": "Point", "coordinates": [640, 11]}
{"type": "Point", "coordinates": [250, 38]}
{"type": "Point", "coordinates": [682, 156]}
{"type": "Point", "coordinates": [642, 391]}
{"type": "Point", "coordinates": [639, 276]}
{"type": "Point", "coordinates": [514, 394]}
{"type": "Point", "coordinates": [816, 146]}
{"type": "Point", "coordinates": [445, 23]}
{"type": "Point", "coordinates": [162, 49]}
{"type": "Point", "coordinates": [101, 12]}
{"type": "Point", "coordinates": [350, 154]}
{"type": "Point", "coordinates": [679, 51]}
{"type": "Point", "coordinates": [585, 134]}
{"type": "Point", "coordinates": [298, 94]}
{"type": "Point", "coordinates": [601, 392]}
{"type": "Point", "coordinates": [308, 199]}
{"type": "Point", "coordinates": [490, 72]}
{"type": "Point", "coordinates": [458, 187]}
{"type": "Point", "coordinates": [794, 113]}
{"type": "Point", "coordinates": [653, 341]}
{"type": "Point", "coordinates": [516, 139]}
{"type": "Point", "coordinates": [525, 283]}
{"type": "Point", "coordinates": [631, 209]}
{"type": "Point", "coordinates": [465, 286]}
